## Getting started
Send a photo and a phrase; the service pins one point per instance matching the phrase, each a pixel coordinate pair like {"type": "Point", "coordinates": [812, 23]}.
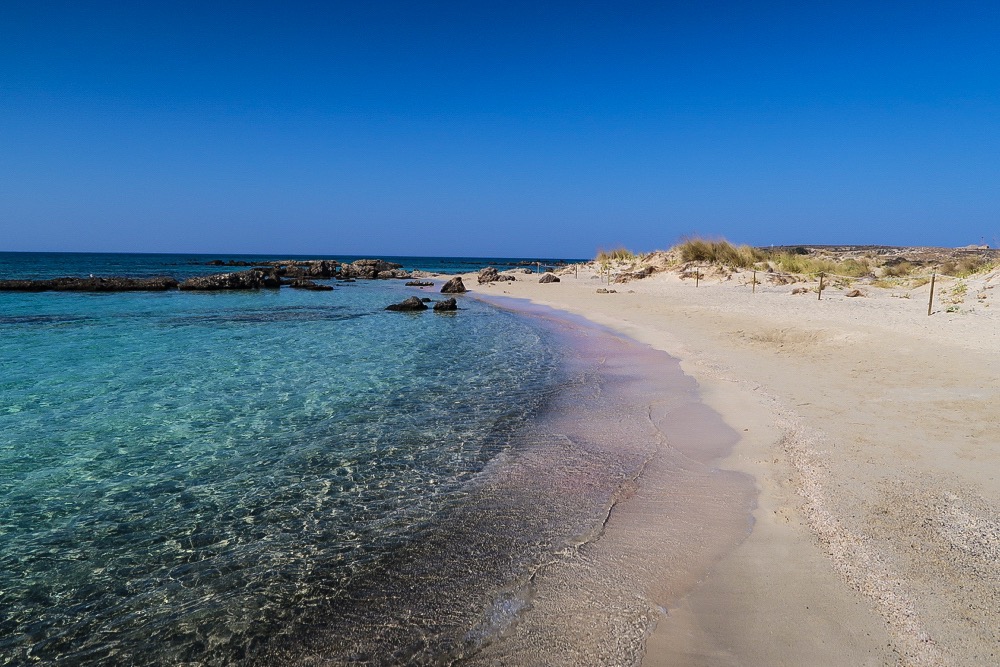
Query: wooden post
{"type": "Point", "coordinates": [753, 288]}
{"type": "Point", "coordinates": [820, 286]}
{"type": "Point", "coordinates": [930, 302]}
{"type": "Point", "coordinates": [697, 277]}
{"type": "Point", "coordinates": [576, 271]}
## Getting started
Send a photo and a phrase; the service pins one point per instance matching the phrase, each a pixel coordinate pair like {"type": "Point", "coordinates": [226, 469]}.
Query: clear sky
{"type": "Point", "coordinates": [495, 128]}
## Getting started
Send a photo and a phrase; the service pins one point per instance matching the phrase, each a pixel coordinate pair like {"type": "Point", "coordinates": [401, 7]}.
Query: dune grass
{"type": "Point", "coordinates": [615, 255]}
{"type": "Point", "coordinates": [812, 265]}
{"type": "Point", "coordinates": [968, 266]}
{"type": "Point", "coordinates": [719, 251]}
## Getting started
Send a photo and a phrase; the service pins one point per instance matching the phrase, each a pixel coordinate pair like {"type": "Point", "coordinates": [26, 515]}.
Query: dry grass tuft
{"type": "Point", "coordinates": [615, 255]}
{"type": "Point", "coordinates": [812, 265]}
{"type": "Point", "coordinates": [720, 252]}
{"type": "Point", "coordinates": [968, 266]}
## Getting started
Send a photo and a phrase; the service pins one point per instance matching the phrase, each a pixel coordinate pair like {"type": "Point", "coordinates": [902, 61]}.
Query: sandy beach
{"type": "Point", "coordinates": [870, 430]}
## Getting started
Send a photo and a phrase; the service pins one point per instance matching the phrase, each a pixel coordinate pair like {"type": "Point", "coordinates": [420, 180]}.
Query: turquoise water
{"type": "Point", "coordinates": [196, 478]}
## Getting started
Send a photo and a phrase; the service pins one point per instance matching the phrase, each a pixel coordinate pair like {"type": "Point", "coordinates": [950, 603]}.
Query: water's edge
{"type": "Point", "coordinates": [665, 526]}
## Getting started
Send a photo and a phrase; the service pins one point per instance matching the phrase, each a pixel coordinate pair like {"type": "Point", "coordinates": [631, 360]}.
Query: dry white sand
{"type": "Point", "coordinates": [872, 432]}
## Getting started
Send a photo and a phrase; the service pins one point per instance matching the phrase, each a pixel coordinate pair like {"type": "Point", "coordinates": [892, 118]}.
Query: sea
{"type": "Point", "coordinates": [288, 477]}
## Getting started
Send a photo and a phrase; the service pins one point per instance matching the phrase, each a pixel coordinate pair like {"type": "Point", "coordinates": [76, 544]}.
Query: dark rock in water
{"type": "Point", "coordinates": [446, 305]}
{"type": "Point", "coordinates": [410, 304]}
{"type": "Point", "coordinates": [304, 283]}
{"type": "Point", "coordinates": [253, 279]}
{"type": "Point", "coordinates": [426, 299]}
{"type": "Point", "coordinates": [372, 269]}
{"type": "Point", "coordinates": [549, 278]}
{"type": "Point", "coordinates": [322, 268]}
{"type": "Point", "coordinates": [91, 284]}
{"type": "Point", "coordinates": [420, 283]}
{"type": "Point", "coordinates": [454, 286]}
{"type": "Point", "coordinates": [491, 275]}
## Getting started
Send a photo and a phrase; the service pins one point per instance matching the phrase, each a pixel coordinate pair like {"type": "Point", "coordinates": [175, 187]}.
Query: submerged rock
{"type": "Point", "coordinates": [91, 284]}
{"type": "Point", "coordinates": [410, 304]}
{"type": "Point", "coordinates": [304, 283]}
{"type": "Point", "coordinates": [454, 286]}
{"type": "Point", "coordinates": [420, 283]}
{"type": "Point", "coordinates": [446, 305]}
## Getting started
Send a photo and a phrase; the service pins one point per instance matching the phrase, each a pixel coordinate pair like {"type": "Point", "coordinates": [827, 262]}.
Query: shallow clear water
{"type": "Point", "coordinates": [280, 477]}
{"type": "Point", "coordinates": [181, 475]}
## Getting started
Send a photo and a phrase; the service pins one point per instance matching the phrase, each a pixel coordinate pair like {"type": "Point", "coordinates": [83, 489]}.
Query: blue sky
{"type": "Point", "coordinates": [495, 128]}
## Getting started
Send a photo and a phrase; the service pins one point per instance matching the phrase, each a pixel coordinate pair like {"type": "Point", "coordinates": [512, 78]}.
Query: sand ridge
{"type": "Point", "coordinates": [871, 431]}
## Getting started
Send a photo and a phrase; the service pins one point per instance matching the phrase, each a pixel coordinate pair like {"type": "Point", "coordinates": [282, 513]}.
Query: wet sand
{"type": "Point", "coordinates": [870, 430]}
{"type": "Point", "coordinates": [680, 512]}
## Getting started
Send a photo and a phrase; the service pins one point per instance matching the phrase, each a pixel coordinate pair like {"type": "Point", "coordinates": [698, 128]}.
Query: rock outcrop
{"type": "Point", "coordinates": [549, 278]}
{"type": "Point", "coordinates": [408, 305]}
{"type": "Point", "coordinates": [252, 279]}
{"type": "Point", "coordinates": [491, 275]}
{"type": "Point", "coordinates": [91, 284]}
{"type": "Point", "coordinates": [420, 283]}
{"type": "Point", "coordinates": [454, 286]}
{"type": "Point", "coordinates": [372, 269]}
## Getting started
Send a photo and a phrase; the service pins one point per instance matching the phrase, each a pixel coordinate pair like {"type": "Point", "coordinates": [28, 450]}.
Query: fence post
{"type": "Point", "coordinates": [820, 286]}
{"type": "Point", "coordinates": [697, 277]}
{"type": "Point", "coordinates": [753, 288]}
{"type": "Point", "coordinates": [930, 301]}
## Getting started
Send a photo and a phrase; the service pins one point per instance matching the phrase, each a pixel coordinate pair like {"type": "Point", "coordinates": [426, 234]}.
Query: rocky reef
{"type": "Point", "coordinates": [299, 274]}
{"type": "Point", "coordinates": [90, 284]}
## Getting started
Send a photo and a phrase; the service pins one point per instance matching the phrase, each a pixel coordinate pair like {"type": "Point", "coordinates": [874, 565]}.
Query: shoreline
{"type": "Point", "coordinates": [866, 426]}
{"type": "Point", "coordinates": [595, 603]}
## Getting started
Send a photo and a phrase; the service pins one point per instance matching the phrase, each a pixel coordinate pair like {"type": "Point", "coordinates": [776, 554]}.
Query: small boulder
{"type": "Point", "coordinates": [549, 278]}
{"type": "Point", "coordinates": [408, 305]}
{"type": "Point", "coordinates": [855, 292]}
{"type": "Point", "coordinates": [488, 275]}
{"type": "Point", "coordinates": [446, 305]}
{"type": "Point", "coordinates": [420, 283]}
{"type": "Point", "coordinates": [454, 286]}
